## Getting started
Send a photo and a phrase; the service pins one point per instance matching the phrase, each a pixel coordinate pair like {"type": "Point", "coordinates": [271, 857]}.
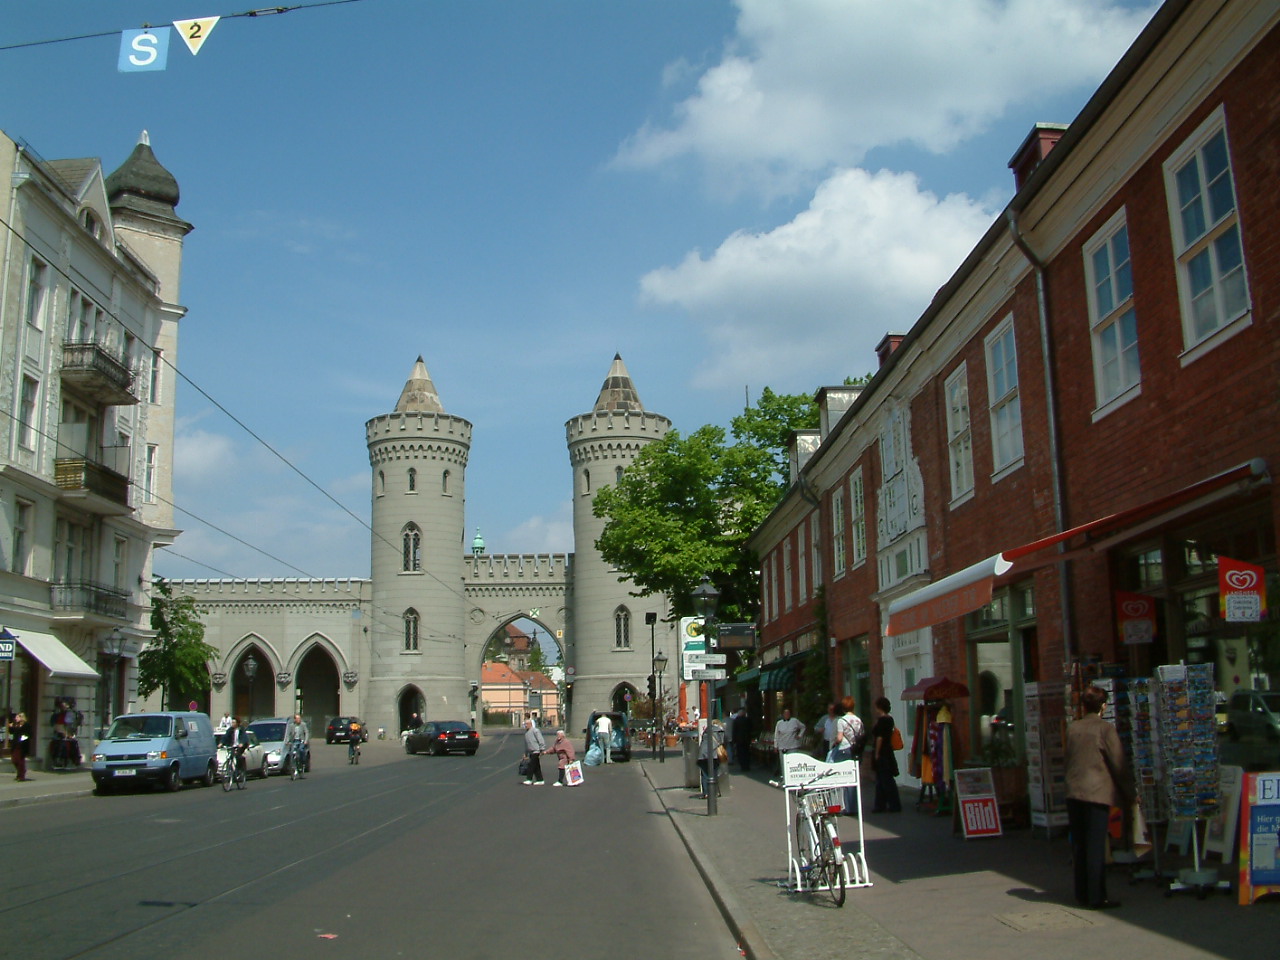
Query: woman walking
{"type": "Point", "coordinates": [563, 750]}
{"type": "Point", "coordinates": [20, 744]}
{"type": "Point", "coordinates": [885, 761]}
{"type": "Point", "coordinates": [849, 737]}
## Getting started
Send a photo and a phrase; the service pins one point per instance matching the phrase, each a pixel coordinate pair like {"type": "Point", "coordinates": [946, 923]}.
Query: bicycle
{"type": "Point", "coordinates": [296, 762]}
{"type": "Point", "coordinates": [353, 750]}
{"type": "Point", "coordinates": [233, 773]}
{"type": "Point", "coordinates": [819, 855]}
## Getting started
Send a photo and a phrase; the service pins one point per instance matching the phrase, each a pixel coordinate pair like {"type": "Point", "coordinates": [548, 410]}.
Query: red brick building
{"type": "Point", "coordinates": [1099, 379]}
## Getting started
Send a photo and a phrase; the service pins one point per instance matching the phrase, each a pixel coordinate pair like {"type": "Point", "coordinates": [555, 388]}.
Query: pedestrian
{"type": "Point", "coordinates": [742, 739]}
{"type": "Point", "coordinates": [1097, 780]}
{"type": "Point", "coordinates": [847, 745]}
{"type": "Point", "coordinates": [604, 736]}
{"type": "Point", "coordinates": [563, 750]}
{"type": "Point", "coordinates": [415, 722]}
{"type": "Point", "coordinates": [709, 756]}
{"type": "Point", "coordinates": [20, 744]}
{"type": "Point", "coordinates": [828, 726]}
{"type": "Point", "coordinates": [884, 760]}
{"type": "Point", "coordinates": [787, 734]}
{"type": "Point", "coordinates": [534, 746]}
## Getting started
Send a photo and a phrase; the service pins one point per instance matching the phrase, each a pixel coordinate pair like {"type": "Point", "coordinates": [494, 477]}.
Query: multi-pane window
{"type": "Point", "coordinates": [72, 556]}
{"type": "Point", "coordinates": [410, 630]}
{"type": "Point", "coordinates": [153, 390]}
{"type": "Point", "coordinates": [1112, 321]}
{"type": "Point", "coordinates": [27, 400]}
{"type": "Point", "coordinates": [802, 555]}
{"type": "Point", "coordinates": [786, 574]}
{"type": "Point", "coordinates": [37, 292]}
{"type": "Point", "coordinates": [1206, 233]}
{"type": "Point", "coordinates": [839, 559]}
{"type": "Point", "coordinates": [23, 515]}
{"type": "Point", "coordinates": [894, 498]}
{"type": "Point", "coordinates": [815, 546]}
{"type": "Point", "coordinates": [149, 473]}
{"type": "Point", "coordinates": [119, 563]}
{"type": "Point", "coordinates": [959, 434]}
{"type": "Point", "coordinates": [412, 548]}
{"type": "Point", "coordinates": [858, 516]}
{"type": "Point", "coordinates": [622, 629]}
{"type": "Point", "coordinates": [413, 480]}
{"type": "Point", "coordinates": [1002, 397]}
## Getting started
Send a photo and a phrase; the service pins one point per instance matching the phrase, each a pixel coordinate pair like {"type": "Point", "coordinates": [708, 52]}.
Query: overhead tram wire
{"type": "Point", "coordinates": [107, 311]}
{"type": "Point", "coordinates": [262, 12]}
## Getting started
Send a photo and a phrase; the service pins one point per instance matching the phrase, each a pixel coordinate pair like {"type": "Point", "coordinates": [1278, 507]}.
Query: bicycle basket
{"type": "Point", "coordinates": [821, 802]}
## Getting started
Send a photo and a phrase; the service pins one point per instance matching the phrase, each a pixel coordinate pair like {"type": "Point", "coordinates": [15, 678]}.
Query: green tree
{"type": "Point", "coordinates": [687, 504]}
{"type": "Point", "coordinates": [175, 660]}
{"type": "Point", "coordinates": [537, 658]}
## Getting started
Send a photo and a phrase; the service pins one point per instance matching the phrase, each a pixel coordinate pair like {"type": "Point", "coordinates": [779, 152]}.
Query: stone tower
{"type": "Point", "coordinates": [609, 640]}
{"type": "Point", "coordinates": [415, 657]}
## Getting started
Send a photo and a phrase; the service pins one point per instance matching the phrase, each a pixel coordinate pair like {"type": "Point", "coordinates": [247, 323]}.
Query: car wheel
{"type": "Point", "coordinates": [102, 788]}
{"type": "Point", "coordinates": [265, 771]}
{"type": "Point", "coordinates": [210, 774]}
{"type": "Point", "coordinates": [408, 748]}
{"type": "Point", "coordinates": [329, 741]}
{"type": "Point", "coordinates": [172, 780]}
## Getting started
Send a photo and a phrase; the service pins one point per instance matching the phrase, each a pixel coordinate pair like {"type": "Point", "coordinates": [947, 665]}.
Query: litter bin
{"type": "Point", "coordinates": [692, 775]}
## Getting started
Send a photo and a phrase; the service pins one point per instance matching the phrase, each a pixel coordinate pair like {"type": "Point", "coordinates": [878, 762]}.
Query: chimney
{"type": "Point", "coordinates": [1042, 138]}
{"type": "Point", "coordinates": [832, 403]}
{"type": "Point", "coordinates": [800, 449]}
{"type": "Point", "coordinates": [887, 346]}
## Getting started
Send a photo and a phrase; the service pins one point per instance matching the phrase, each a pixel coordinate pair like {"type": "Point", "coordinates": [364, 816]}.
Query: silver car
{"type": "Point", "coordinates": [271, 734]}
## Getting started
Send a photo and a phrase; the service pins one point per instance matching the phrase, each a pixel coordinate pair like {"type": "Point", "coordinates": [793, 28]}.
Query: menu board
{"type": "Point", "coordinates": [979, 809]}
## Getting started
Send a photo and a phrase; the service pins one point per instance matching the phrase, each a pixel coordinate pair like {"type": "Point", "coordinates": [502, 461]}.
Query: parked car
{"type": "Point", "coordinates": [1253, 721]}
{"type": "Point", "coordinates": [621, 736]}
{"type": "Point", "coordinates": [255, 756]}
{"type": "Point", "coordinates": [339, 730]}
{"type": "Point", "coordinates": [443, 736]}
{"type": "Point", "coordinates": [271, 735]}
{"type": "Point", "coordinates": [167, 748]}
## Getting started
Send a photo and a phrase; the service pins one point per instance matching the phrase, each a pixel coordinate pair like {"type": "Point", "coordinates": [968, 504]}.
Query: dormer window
{"type": "Point", "coordinates": [89, 220]}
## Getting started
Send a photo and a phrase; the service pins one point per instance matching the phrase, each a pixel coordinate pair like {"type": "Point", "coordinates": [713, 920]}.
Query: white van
{"type": "Point", "coordinates": [160, 747]}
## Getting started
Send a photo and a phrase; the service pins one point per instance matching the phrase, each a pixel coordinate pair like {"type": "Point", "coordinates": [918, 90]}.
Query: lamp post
{"type": "Point", "coordinates": [660, 665]}
{"type": "Point", "coordinates": [113, 646]}
{"type": "Point", "coordinates": [651, 619]}
{"type": "Point", "coordinates": [250, 671]}
{"type": "Point", "coordinates": [705, 600]}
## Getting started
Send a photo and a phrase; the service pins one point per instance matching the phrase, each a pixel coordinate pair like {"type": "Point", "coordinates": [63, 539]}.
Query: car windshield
{"type": "Point", "coordinates": [268, 732]}
{"type": "Point", "coordinates": [452, 726]}
{"type": "Point", "coordinates": [140, 726]}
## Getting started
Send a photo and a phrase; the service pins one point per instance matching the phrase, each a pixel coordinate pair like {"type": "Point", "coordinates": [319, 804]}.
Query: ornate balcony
{"type": "Point", "coordinates": [101, 489]}
{"type": "Point", "coordinates": [90, 598]}
{"type": "Point", "coordinates": [92, 371]}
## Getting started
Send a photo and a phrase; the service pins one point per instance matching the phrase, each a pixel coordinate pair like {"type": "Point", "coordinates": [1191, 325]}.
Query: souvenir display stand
{"type": "Point", "coordinates": [932, 757]}
{"type": "Point", "coordinates": [799, 772]}
{"type": "Point", "coordinates": [1141, 734]}
{"type": "Point", "coordinates": [1188, 732]}
{"type": "Point", "coordinates": [1046, 756]}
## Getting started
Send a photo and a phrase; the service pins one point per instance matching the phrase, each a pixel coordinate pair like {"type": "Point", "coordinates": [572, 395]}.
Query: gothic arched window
{"type": "Point", "coordinates": [444, 482]}
{"type": "Point", "coordinates": [413, 480]}
{"type": "Point", "coordinates": [586, 481]}
{"type": "Point", "coordinates": [622, 629]}
{"type": "Point", "coordinates": [411, 629]}
{"type": "Point", "coordinates": [412, 548]}
{"type": "Point", "coordinates": [617, 474]}
{"type": "Point", "coordinates": [382, 483]}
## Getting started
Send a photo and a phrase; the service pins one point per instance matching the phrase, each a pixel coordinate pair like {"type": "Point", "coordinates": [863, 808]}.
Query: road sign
{"type": "Point", "coordinates": [715, 673]}
{"type": "Point", "coordinates": [707, 657]}
{"type": "Point", "coordinates": [736, 636]}
{"type": "Point", "coordinates": [692, 643]}
{"type": "Point", "coordinates": [6, 649]}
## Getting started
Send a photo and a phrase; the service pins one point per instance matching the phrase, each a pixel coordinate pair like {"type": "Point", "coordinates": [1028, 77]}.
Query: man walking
{"type": "Point", "coordinates": [534, 746]}
{"type": "Point", "coordinates": [604, 736]}
{"type": "Point", "coordinates": [787, 734]}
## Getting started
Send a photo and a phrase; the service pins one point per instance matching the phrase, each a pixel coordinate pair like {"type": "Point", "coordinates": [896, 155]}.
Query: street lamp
{"type": "Point", "coordinates": [651, 619]}
{"type": "Point", "coordinates": [705, 599]}
{"type": "Point", "coordinates": [113, 646]}
{"type": "Point", "coordinates": [660, 665]}
{"type": "Point", "coordinates": [250, 671]}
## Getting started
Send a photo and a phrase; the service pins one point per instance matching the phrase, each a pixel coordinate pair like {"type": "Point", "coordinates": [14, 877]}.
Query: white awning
{"type": "Point", "coordinates": [56, 655]}
{"type": "Point", "coordinates": [952, 596]}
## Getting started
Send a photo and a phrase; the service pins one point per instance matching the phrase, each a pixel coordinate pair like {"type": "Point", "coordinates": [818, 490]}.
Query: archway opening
{"type": "Point", "coordinates": [316, 688]}
{"type": "Point", "coordinates": [253, 697]}
{"type": "Point", "coordinates": [623, 695]}
{"type": "Point", "coordinates": [410, 701]}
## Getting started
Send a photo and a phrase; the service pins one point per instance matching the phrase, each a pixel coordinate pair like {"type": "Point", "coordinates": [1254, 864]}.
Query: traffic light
{"type": "Point", "coordinates": [653, 688]}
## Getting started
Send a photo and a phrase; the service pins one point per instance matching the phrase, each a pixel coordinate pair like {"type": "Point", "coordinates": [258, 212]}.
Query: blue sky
{"type": "Point", "coordinates": [732, 195]}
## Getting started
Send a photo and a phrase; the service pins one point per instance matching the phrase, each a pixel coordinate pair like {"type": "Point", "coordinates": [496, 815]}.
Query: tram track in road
{"type": "Point", "coordinates": [108, 876]}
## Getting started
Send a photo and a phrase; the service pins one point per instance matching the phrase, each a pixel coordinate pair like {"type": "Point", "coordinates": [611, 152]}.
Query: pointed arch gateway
{"type": "Point", "coordinates": [316, 687]}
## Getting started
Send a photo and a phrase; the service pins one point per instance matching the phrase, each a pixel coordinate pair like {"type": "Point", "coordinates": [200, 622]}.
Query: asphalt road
{"type": "Point", "coordinates": [447, 857]}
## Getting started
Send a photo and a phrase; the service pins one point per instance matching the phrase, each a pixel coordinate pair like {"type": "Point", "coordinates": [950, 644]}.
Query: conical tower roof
{"type": "Point", "coordinates": [142, 182]}
{"type": "Point", "coordinates": [618, 392]}
{"type": "Point", "coordinates": [419, 393]}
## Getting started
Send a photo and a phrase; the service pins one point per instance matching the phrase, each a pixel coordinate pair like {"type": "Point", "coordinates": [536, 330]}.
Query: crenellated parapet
{"type": "Point", "coordinates": [329, 590]}
{"type": "Point", "coordinates": [418, 425]}
{"type": "Point", "coordinates": [613, 434]}
{"type": "Point", "coordinates": [502, 567]}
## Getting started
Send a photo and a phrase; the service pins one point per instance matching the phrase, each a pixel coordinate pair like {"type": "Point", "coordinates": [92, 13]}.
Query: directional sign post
{"type": "Point", "coordinates": [706, 658]}
{"type": "Point", "coordinates": [715, 673]}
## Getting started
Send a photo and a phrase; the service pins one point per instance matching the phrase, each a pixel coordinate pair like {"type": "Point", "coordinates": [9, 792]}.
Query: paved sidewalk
{"type": "Point", "coordinates": [43, 785]}
{"type": "Point", "coordinates": [939, 897]}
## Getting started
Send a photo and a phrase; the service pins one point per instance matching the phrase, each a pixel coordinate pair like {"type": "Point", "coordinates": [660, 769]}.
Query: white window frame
{"type": "Point", "coordinates": [959, 434]}
{"type": "Point", "coordinates": [622, 628]}
{"type": "Point", "coordinates": [28, 411]}
{"type": "Point", "coordinates": [802, 558]}
{"type": "Point", "coordinates": [37, 292]}
{"type": "Point", "coordinates": [119, 562]}
{"type": "Point", "coordinates": [1004, 400]}
{"type": "Point", "coordinates": [815, 535]}
{"type": "Point", "coordinates": [1205, 243]}
{"type": "Point", "coordinates": [839, 558]}
{"type": "Point", "coordinates": [858, 517]}
{"type": "Point", "coordinates": [153, 386]}
{"type": "Point", "coordinates": [24, 512]}
{"type": "Point", "coordinates": [1113, 325]}
{"type": "Point", "coordinates": [150, 467]}
{"type": "Point", "coordinates": [787, 598]}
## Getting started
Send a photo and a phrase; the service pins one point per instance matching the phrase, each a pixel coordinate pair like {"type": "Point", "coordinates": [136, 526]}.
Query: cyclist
{"type": "Point", "coordinates": [236, 740]}
{"type": "Point", "coordinates": [296, 735]}
{"type": "Point", "coordinates": [353, 743]}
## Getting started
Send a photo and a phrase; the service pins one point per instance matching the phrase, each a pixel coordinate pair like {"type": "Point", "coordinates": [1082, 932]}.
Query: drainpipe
{"type": "Point", "coordinates": [1051, 410]}
{"type": "Point", "coordinates": [16, 181]}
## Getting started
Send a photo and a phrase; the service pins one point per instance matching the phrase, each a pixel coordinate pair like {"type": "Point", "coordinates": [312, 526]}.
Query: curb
{"type": "Point", "coordinates": [44, 798]}
{"type": "Point", "coordinates": [751, 941]}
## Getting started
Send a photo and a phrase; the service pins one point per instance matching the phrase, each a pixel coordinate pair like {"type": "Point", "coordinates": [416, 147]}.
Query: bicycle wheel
{"type": "Point", "coordinates": [294, 771]}
{"type": "Point", "coordinates": [806, 848]}
{"type": "Point", "coordinates": [833, 868]}
{"type": "Point", "coordinates": [240, 777]}
{"type": "Point", "coordinates": [228, 775]}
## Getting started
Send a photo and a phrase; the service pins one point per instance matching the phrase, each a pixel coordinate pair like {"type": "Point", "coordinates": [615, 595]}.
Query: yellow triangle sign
{"type": "Point", "coordinates": [195, 32]}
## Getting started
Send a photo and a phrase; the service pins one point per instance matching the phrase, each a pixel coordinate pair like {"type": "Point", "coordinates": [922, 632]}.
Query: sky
{"type": "Point", "coordinates": [731, 194]}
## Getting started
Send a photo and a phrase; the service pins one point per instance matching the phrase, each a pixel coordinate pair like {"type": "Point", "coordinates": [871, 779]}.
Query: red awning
{"type": "Point", "coordinates": [970, 589]}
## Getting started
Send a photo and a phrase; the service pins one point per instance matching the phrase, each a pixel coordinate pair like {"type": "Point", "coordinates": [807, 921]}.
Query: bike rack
{"type": "Point", "coordinates": [800, 772]}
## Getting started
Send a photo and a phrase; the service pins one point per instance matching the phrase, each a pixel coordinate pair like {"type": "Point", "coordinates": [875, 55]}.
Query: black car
{"type": "Point", "coordinates": [621, 735]}
{"type": "Point", "coordinates": [442, 736]}
{"type": "Point", "coordinates": [339, 730]}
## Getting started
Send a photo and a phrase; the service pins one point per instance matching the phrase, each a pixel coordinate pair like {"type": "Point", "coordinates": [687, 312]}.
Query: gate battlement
{"type": "Point", "coordinates": [496, 567]}
{"type": "Point", "coordinates": [333, 588]}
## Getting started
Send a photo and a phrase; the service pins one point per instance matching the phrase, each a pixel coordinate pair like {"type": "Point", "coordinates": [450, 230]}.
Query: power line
{"type": "Point", "coordinates": [263, 12]}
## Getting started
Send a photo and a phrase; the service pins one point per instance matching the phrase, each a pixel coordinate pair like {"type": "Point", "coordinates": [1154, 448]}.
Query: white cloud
{"type": "Point", "coordinates": [201, 457]}
{"type": "Point", "coordinates": [861, 261]}
{"type": "Point", "coordinates": [543, 534]}
{"type": "Point", "coordinates": [809, 84]}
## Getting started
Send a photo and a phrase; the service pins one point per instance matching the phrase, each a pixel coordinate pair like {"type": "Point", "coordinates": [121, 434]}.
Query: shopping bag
{"type": "Point", "coordinates": [573, 773]}
{"type": "Point", "coordinates": [895, 740]}
{"type": "Point", "coordinates": [525, 765]}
